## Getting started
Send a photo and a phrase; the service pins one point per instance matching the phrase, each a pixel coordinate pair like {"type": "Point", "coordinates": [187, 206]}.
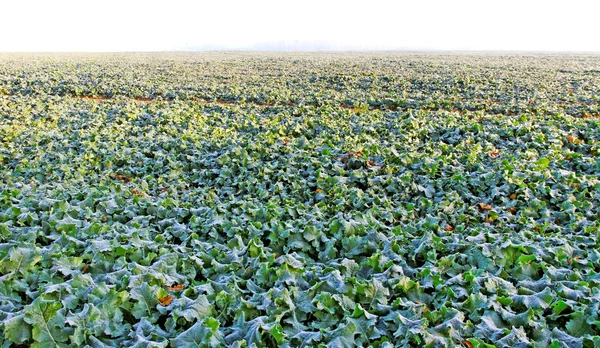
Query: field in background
{"type": "Point", "coordinates": [231, 199]}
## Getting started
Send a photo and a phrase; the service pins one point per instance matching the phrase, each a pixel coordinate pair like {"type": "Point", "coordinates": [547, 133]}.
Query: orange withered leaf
{"type": "Point", "coordinates": [467, 344]}
{"type": "Point", "coordinates": [448, 228]}
{"type": "Point", "coordinates": [494, 153]}
{"type": "Point", "coordinates": [123, 178]}
{"type": "Point", "coordinates": [85, 268]}
{"type": "Point", "coordinates": [352, 153]}
{"type": "Point", "coordinates": [166, 300]}
{"type": "Point", "coordinates": [319, 190]}
{"type": "Point", "coordinates": [512, 210]}
{"type": "Point", "coordinates": [175, 287]}
{"type": "Point", "coordinates": [484, 206]}
{"type": "Point", "coordinates": [513, 196]}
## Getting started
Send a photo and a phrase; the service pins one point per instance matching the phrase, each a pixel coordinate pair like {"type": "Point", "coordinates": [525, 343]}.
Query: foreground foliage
{"type": "Point", "coordinates": [264, 200]}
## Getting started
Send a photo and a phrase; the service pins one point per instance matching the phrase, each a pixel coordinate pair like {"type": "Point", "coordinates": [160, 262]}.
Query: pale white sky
{"type": "Point", "coordinates": [135, 25]}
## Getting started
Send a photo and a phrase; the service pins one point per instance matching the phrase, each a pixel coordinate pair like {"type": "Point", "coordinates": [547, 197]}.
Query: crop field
{"type": "Point", "coordinates": [302, 200]}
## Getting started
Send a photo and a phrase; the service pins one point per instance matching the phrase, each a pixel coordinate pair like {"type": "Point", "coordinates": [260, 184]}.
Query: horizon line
{"type": "Point", "coordinates": [414, 50]}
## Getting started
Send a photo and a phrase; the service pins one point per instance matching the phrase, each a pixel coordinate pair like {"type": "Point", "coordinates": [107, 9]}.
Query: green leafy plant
{"type": "Point", "coordinates": [330, 200]}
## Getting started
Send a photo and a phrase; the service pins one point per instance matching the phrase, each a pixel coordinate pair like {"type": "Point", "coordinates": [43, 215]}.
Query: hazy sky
{"type": "Point", "coordinates": [125, 25]}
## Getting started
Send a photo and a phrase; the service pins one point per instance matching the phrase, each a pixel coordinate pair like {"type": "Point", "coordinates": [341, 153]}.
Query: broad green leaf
{"type": "Point", "coordinates": [146, 302]}
{"type": "Point", "coordinates": [516, 338]}
{"type": "Point", "coordinates": [539, 300]}
{"type": "Point", "coordinates": [342, 337]}
{"type": "Point", "coordinates": [542, 163]}
{"type": "Point", "coordinates": [83, 323]}
{"type": "Point", "coordinates": [20, 260]}
{"type": "Point", "coordinates": [578, 325]}
{"type": "Point", "coordinates": [202, 334]}
{"type": "Point", "coordinates": [17, 330]}
{"type": "Point", "coordinates": [193, 310]}
{"type": "Point", "coordinates": [48, 324]}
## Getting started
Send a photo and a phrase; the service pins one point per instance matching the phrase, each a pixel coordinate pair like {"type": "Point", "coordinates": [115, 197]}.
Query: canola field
{"type": "Point", "coordinates": [229, 199]}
